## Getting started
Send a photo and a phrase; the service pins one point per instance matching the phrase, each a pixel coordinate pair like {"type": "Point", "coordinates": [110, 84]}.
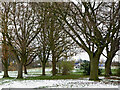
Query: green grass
{"type": "Point", "coordinates": [48, 77]}
{"type": "Point", "coordinates": [7, 78]}
{"type": "Point", "coordinates": [114, 71]}
{"type": "Point", "coordinates": [80, 73]}
{"type": "Point", "coordinates": [74, 75]}
{"type": "Point", "coordinates": [70, 76]}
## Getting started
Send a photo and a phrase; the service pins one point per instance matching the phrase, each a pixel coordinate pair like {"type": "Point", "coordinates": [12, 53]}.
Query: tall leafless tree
{"type": "Point", "coordinates": [113, 46]}
{"type": "Point", "coordinates": [5, 7]}
{"type": "Point", "coordinates": [23, 32]}
{"type": "Point", "coordinates": [85, 28]}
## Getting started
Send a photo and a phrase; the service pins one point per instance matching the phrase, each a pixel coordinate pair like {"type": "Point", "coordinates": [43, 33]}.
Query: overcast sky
{"type": "Point", "coordinates": [84, 56]}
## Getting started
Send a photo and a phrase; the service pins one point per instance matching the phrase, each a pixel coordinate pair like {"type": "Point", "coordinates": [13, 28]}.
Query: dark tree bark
{"type": "Point", "coordinates": [20, 71]}
{"type": "Point", "coordinates": [94, 68]}
{"type": "Point", "coordinates": [25, 69]}
{"type": "Point", "coordinates": [5, 61]}
{"type": "Point", "coordinates": [94, 61]}
{"type": "Point", "coordinates": [108, 67]}
{"type": "Point", "coordinates": [5, 70]}
{"type": "Point", "coordinates": [111, 52]}
{"type": "Point", "coordinates": [43, 68]}
{"type": "Point", "coordinates": [110, 56]}
{"type": "Point", "coordinates": [54, 72]}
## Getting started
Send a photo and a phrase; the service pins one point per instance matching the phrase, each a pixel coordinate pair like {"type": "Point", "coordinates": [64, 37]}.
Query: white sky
{"type": "Point", "coordinates": [84, 56]}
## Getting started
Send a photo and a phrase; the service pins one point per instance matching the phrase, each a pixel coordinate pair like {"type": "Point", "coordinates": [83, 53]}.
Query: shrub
{"type": "Point", "coordinates": [85, 66]}
{"type": "Point", "coordinates": [99, 71]}
{"type": "Point", "coordinates": [66, 67]}
{"type": "Point", "coordinates": [118, 71]}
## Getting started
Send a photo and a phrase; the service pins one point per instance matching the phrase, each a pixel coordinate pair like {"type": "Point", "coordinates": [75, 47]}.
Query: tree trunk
{"type": "Point", "coordinates": [5, 71]}
{"type": "Point", "coordinates": [94, 61]}
{"type": "Point", "coordinates": [43, 68]}
{"type": "Point", "coordinates": [53, 66]}
{"type": "Point", "coordinates": [20, 71]}
{"type": "Point", "coordinates": [108, 67]}
{"type": "Point", "coordinates": [25, 69]}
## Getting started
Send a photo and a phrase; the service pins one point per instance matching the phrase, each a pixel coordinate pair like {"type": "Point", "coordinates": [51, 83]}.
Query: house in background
{"type": "Point", "coordinates": [79, 62]}
{"type": "Point", "coordinates": [102, 64]}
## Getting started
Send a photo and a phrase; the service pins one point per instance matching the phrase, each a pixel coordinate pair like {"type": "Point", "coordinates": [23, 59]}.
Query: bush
{"type": "Point", "coordinates": [66, 67]}
{"type": "Point", "coordinates": [85, 66]}
{"type": "Point", "coordinates": [99, 71]}
{"type": "Point", "coordinates": [118, 71]}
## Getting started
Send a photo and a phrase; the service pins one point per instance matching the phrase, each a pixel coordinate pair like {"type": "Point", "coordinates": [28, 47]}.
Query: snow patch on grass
{"type": "Point", "coordinates": [57, 84]}
{"type": "Point", "coordinates": [69, 83]}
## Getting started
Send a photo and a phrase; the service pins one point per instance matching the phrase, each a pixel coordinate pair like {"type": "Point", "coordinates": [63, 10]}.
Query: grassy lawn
{"type": "Point", "coordinates": [74, 75]}
{"type": "Point", "coordinates": [114, 71]}
{"type": "Point", "coordinates": [77, 74]}
{"type": "Point", "coordinates": [70, 76]}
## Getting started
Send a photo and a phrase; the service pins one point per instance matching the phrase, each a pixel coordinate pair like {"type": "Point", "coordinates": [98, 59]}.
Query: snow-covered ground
{"type": "Point", "coordinates": [56, 84]}
{"type": "Point", "coordinates": [69, 83]}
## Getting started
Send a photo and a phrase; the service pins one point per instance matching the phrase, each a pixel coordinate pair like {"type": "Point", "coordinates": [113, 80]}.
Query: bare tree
{"type": "Point", "coordinates": [23, 32]}
{"type": "Point", "coordinates": [85, 28]}
{"type": "Point", "coordinates": [44, 49]}
{"type": "Point", "coordinates": [113, 46]}
{"type": "Point", "coordinates": [42, 14]}
{"type": "Point", "coordinates": [52, 40]}
{"type": "Point", "coordinates": [5, 7]}
{"type": "Point", "coordinates": [60, 42]}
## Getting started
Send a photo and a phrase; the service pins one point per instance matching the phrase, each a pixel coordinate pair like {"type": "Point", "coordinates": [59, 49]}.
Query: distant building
{"type": "Point", "coordinates": [77, 65]}
{"type": "Point", "coordinates": [79, 62]}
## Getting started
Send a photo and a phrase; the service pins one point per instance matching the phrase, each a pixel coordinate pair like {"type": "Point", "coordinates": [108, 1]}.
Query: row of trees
{"type": "Point", "coordinates": [29, 30]}
{"type": "Point", "coordinates": [93, 30]}
{"type": "Point", "coordinates": [53, 30]}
